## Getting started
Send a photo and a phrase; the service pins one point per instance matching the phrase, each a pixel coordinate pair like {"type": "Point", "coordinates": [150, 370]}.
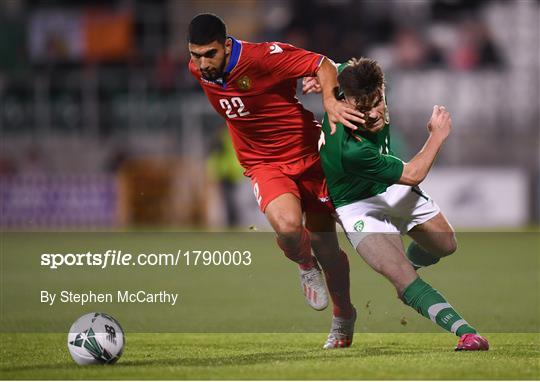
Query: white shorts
{"type": "Point", "coordinates": [397, 210]}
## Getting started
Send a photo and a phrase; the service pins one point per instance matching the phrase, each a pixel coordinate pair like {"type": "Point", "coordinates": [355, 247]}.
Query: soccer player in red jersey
{"type": "Point", "coordinates": [253, 86]}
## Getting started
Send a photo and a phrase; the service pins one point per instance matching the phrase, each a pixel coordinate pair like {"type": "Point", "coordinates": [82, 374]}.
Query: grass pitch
{"type": "Point", "coordinates": [493, 281]}
{"type": "Point", "coordinates": [277, 356]}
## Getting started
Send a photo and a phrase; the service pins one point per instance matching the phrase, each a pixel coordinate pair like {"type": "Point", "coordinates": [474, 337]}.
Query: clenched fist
{"type": "Point", "coordinates": [440, 122]}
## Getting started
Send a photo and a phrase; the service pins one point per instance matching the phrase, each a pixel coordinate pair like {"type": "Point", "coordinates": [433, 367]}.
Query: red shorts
{"type": "Point", "coordinates": [303, 178]}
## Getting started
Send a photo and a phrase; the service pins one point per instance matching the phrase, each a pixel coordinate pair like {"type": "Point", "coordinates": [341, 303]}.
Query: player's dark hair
{"type": "Point", "coordinates": [361, 79]}
{"type": "Point", "coordinates": [205, 29]}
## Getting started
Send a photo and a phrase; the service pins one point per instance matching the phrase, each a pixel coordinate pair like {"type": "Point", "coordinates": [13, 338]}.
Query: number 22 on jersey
{"type": "Point", "coordinates": [233, 108]}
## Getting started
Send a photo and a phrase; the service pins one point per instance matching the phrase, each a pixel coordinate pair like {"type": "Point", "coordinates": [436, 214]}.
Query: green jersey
{"type": "Point", "coordinates": [355, 168]}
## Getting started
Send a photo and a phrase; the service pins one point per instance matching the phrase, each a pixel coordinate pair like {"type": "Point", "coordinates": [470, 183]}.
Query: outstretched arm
{"type": "Point", "coordinates": [338, 111]}
{"type": "Point", "coordinates": [439, 127]}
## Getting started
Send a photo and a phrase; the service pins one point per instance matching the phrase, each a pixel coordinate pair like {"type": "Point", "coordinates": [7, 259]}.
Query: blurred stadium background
{"type": "Point", "coordinates": [102, 126]}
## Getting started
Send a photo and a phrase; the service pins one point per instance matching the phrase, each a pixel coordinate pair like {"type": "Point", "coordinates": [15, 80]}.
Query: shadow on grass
{"type": "Point", "coordinates": [237, 360]}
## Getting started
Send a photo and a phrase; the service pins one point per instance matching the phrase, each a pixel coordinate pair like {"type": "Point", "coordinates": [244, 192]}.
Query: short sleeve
{"type": "Point", "coordinates": [366, 161]}
{"type": "Point", "coordinates": [285, 61]}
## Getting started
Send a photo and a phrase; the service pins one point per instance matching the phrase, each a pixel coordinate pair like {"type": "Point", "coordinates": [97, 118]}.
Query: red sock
{"type": "Point", "coordinates": [337, 280]}
{"type": "Point", "coordinates": [299, 251]}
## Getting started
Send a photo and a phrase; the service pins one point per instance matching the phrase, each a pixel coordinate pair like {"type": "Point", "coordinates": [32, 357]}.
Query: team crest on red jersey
{"type": "Point", "coordinates": [244, 83]}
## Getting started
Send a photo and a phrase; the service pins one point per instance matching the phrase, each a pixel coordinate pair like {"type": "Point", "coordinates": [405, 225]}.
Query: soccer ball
{"type": "Point", "coordinates": [96, 338]}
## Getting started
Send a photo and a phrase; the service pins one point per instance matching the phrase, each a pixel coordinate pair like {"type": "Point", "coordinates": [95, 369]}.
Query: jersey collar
{"type": "Point", "coordinates": [235, 55]}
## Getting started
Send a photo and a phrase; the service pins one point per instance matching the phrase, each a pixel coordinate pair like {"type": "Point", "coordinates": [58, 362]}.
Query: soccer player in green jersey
{"type": "Point", "coordinates": [377, 197]}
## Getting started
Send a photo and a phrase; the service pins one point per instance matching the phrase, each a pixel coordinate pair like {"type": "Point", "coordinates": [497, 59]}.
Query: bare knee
{"type": "Point", "coordinates": [452, 245]}
{"type": "Point", "coordinates": [288, 228]}
{"type": "Point", "coordinates": [288, 223]}
{"type": "Point", "coordinates": [449, 246]}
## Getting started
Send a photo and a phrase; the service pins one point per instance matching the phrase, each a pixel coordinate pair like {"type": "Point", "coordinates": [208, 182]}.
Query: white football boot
{"type": "Point", "coordinates": [314, 287]}
{"type": "Point", "coordinates": [341, 333]}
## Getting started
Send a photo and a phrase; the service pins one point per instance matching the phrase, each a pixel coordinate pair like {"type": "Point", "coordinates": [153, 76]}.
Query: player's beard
{"type": "Point", "coordinates": [215, 74]}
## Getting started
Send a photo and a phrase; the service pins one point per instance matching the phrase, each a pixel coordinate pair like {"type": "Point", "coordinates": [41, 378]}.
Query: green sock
{"type": "Point", "coordinates": [421, 296]}
{"type": "Point", "coordinates": [419, 257]}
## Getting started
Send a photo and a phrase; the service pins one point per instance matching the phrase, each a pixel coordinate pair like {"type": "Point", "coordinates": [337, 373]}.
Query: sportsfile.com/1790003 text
{"type": "Point", "coordinates": [114, 257]}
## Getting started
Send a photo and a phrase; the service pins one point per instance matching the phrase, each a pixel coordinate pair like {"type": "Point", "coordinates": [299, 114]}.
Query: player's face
{"type": "Point", "coordinates": [374, 111]}
{"type": "Point", "coordinates": [211, 59]}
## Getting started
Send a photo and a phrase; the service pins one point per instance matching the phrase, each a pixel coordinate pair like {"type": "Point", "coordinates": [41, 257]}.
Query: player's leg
{"type": "Point", "coordinates": [385, 254]}
{"type": "Point", "coordinates": [424, 222]}
{"type": "Point", "coordinates": [436, 235]}
{"type": "Point", "coordinates": [335, 265]}
{"type": "Point", "coordinates": [285, 215]}
{"type": "Point", "coordinates": [333, 260]}
{"type": "Point", "coordinates": [374, 235]}
{"type": "Point", "coordinates": [322, 226]}
{"type": "Point", "coordinates": [279, 199]}
{"type": "Point", "coordinates": [433, 239]}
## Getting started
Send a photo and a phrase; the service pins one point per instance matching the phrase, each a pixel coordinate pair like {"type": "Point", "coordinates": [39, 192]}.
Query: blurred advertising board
{"type": "Point", "coordinates": [58, 201]}
{"type": "Point", "coordinates": [481, 197]}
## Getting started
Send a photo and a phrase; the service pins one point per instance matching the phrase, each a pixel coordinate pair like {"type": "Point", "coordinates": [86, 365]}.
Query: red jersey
{"type": "Point", "coordinates": [257, 97]}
